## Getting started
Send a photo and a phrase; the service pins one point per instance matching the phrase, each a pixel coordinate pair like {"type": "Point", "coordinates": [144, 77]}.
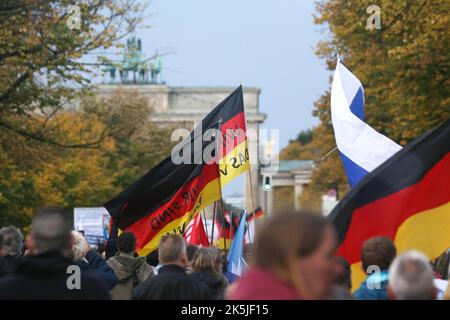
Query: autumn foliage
{"type": "Point", "coordinates": [403, 66]}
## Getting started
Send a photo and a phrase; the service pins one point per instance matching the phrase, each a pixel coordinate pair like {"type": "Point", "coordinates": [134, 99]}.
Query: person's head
{"type": "Point", "coordinates": [11, 241]}
{"type": "Point", "coordinates": [50, 231]}
{"type": "Point", "coordinates": [79, 246]}
{"type": "Point", "coordinates": [191, 249]}
{"type": "Point", "coordinates": [204, 260]}
{"type": "Point", "coordinates": [218, 259]}
{"type": "Point", "coordinates": [298, 247]}
{"type": "Point", "coordinates": [248, 252]}
{"type": "Point", "coordinates": [224, 263]}
{"type": "Point", "coordinates": [344, 277]}
{"type": "Point", "coordinates": [126, 243]}
{"type": "Point", "coordinates": [377, 251]}
{"type": "Point", "coordinates": [172, 250]}
{"type": "Point", "coordinates": [153, 258]}
{"type": "Point", "coordinates": [411, 277]}
{"type": "Point", "coordinates": [111, 248]}
{"type": "Point", "coordinates": [101, 248]}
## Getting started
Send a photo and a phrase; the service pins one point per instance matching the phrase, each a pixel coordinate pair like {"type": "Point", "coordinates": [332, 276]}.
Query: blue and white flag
{"type": "Point", "coordinates": [362, 149]}
{"type": "Point", "coordinates": [236, 262]}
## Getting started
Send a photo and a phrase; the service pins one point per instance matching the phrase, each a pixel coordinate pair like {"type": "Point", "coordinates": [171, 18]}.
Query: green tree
{"type": "Point", "coordinates": [43, 62]}
{"type": "Point", "coordinates": [140, 143]}
{"type": "Point", "coordinates": [88, 176]}
{"type": "Point", "coordinates": [52, 151]}
{"type": "Point", "coordinates": [300, 148]}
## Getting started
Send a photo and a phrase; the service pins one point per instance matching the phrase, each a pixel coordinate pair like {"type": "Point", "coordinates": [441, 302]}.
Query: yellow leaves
{"type": "Point", "coordinates": [403, 68]}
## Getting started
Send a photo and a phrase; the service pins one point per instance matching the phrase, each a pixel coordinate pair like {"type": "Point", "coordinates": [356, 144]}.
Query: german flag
{"type": "Point", "coordinates": [227, 228]}
{"type": "Point", "coordinates": [255, 215]}
{"type": "Point", "coordinates": [166, 198]}
{"type": "Point", "coordinates": [226, 225]}
{"type": "Point", "coordinates": [407, 199]}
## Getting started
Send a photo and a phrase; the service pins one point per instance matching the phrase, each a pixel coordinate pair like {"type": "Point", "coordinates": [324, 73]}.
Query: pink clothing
{"type": "Point", "coordinates": [261, 284]}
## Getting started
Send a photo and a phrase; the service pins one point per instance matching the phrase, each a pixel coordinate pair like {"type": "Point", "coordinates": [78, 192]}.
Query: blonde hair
{"type": "Point", "coordinates": [447, 292]}
{"type": "Point", "coordinates": [79, 246]}
{"type": "Point", "coordinates": [206, 259]}
{"type": "Point", "coordinates": [283, 239]}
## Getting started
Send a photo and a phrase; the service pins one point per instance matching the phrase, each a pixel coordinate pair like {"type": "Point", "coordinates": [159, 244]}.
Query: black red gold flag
{"type": "Point", "coordinates": [407, 198]}
{"type": "Point", "coordinates": [166, 198]}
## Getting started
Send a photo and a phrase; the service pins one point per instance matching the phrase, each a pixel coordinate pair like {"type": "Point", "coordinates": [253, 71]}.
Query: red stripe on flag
{"type": "Point", "coordinates": [233, 133]}
{"type": "Point", "coordinates": [383, 217]}
{"type": "Point", "coordinates": [183, 201]}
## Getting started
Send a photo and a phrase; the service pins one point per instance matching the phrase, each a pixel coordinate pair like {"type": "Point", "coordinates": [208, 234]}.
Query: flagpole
{"type": "Point", "coordinates": [251, 197]}
{"type": "Point", "coordinates": [249, 175]}
{"type": "Point", "coordinates": [205, 226]}
{"type": "Point", "coordinates": [248, 230]}
{"type": "Point", "coordinates": [213, 224]}
{"type": "Point", "coordinates": [231, 224]}
{"type": "Point", "coordinates": [223, 222]}
{"type": "Point", "coordinates": [220, 144]}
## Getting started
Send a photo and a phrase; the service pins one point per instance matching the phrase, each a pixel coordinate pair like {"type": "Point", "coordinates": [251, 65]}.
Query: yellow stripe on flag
{"type": "Point", "coordinates": [358, 275]}
{"type": "Point", "coordinates": [210, 193]}
{"type": "Point", "coordinates": [427, 231]}
{"type": "Point", "coordinates": [219, 243]}
{"type": "Point", "coordinates": [234, 163]}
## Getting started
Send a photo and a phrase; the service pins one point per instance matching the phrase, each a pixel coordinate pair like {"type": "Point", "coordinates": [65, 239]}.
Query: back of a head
{"type": "Point", "coordinates": [378, 251]}
{"type": "Point", "coordinates": [79, 245]}
{"type": "Point", "coordinates": [171, 249]}
{"type": "Point", "coordinates": [204, 260]}
{"type": "Point", "coordinates": [11, 241]}
{"type": "Point", "coordinates": [126, 242]}
{"type": "Point", "coordinates": [248, 250]}
{"type": "Point", "coordinates": [153, 258]}
{"type": "Point", "coordinates": [344, 278]}
{"type": "Point", "coordinates": [218, 255]}
{"type": "Point", "coordinates": [50, 230]}
{"type": "Point", "coordinates": [411, 277]}
{"type": "Point", "coordinates": [286, 235]}
{"type": "Point", "coordinates": [191, 249]}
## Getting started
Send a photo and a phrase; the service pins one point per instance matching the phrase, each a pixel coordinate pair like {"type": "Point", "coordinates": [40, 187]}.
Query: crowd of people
{"type": "Point", "coordinates": [293, 257]}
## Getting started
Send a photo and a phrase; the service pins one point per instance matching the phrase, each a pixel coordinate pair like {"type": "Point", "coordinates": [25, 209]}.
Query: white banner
{"type": "Point", "coordinates": [93, 222]}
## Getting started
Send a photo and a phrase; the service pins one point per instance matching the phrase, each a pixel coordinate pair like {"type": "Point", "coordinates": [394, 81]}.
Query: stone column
{"type": "Point", "coordinates": [254, 171]}
{"type": "Point", "coordinates": [298, 190]}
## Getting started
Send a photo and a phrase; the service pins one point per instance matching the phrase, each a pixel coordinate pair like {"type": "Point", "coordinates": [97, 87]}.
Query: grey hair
{"type": "Point", "coordinates": [79, 245]}
{"type": "Point", "coordinates": [411, 277]}
{"type": "Point", "coordinates": [12, 240]}
{"type": "Point", "coordinates": [50, 230]}
{"type": "Point", "coordinates": [171, 248]}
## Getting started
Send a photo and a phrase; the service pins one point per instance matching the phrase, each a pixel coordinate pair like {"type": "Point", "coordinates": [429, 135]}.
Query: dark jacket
{"type": "Point", "coordinates": [97, 267]}
{"type": "Point", "coordinates": [5, 264]}
{"type": "Point", "coordinates": [130, 272]}
{"type": "Point", "coordinates": [377, 289]}
{"type": "Point", "coordinates": [215, 284]}
{"type": "Point", "coordinates": [171, 283]}
{"type": "Point", "coordinates": [46, 277]}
